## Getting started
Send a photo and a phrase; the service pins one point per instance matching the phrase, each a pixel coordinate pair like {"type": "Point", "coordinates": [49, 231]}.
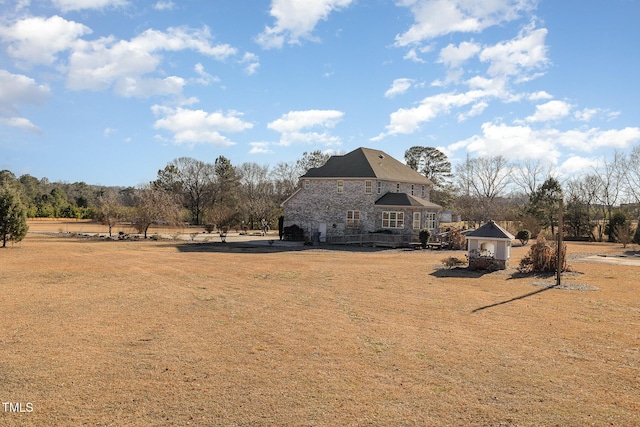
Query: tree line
{"type": "Point", "coordinates": [602, 202]}
{"type": "Point", "coordinates": [187, 190]}
{"type": "Point", "coordinates": [217, 195]}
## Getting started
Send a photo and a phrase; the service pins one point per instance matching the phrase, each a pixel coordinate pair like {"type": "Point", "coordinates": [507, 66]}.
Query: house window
{"type": "Point", "coordinates": [412, 187]}
{"type": "Point", "coordinates": [430, 222]}
{"type": "Point", "coordinates": [353, 219]}
{"type": "Point", "coordinates": [340, 185]}
{"type": "Point", "coordinates": [379, 187]}
{"type": "Point", "coordinates": [397, 187]}
{"type": "Point", "coordinates": [307, 184]}
{"type": "Point", "coordinates": [392, 219]}
{"type": "Point", "coordinates": [423, 192]}
{"type": "Point", "coordinates": [367, 187]}
{"type": "Point", "coordinates": [416, 220]}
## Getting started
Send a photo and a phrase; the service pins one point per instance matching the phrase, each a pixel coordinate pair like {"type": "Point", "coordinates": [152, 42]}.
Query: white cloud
{"type": "Point", "coordinates": [523, 142]}
{"type": "Point", "coordinates": [260, 148]}
{"type": "Point", "coordinates": [19, 123]}
{"type": "Point", "coordinates": [205, 78]}
{"type": "Point", "coordinates": [130, 87]}
{"type": "Point", "coordinates": [296, 20]}
{"type": "Point", "coordinates": [552, 110]}
{"type": "Point", "coordinates": [454, 56]}
{"type": "Point", "coordinates": [18, 90]}
{"type": "Point", "coordinates": [101, 64]}
{"type": "Point", "coordinates": [476, 110]}
{"type": "Point", "coordinates": [540, 96]}
{"type": "Point", "coordinates": [412, 55]}
{"type": "Point", "coordinates": [434, 18]}
{"type": "Point", "coordinates": [39, 40]}
{"type": "Point", "coordinates": [164, 5]}
{"type": "Point", "coordinates": [251, 62]}
{"type": "Point", "coordinates": [296, 126]}
{"type": "Point", "coordinates": [514, 57]}
{"type": "Point", "coordinates": [69, 5]}
{"type": "Point", "coordinates": [408, 120]}
{"type": "Point", "coordinates": [197, 126]}
{"type": "Point", "coordinates": [398, 87]}
{"type": "Point", "coordinates": [576, 164]}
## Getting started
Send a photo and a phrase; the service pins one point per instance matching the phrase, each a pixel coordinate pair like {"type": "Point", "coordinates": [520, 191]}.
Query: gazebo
{"type": "Point", "coordinates": [489, 247]}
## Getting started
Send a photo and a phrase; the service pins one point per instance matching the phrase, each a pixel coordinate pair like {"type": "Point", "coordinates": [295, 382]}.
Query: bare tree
{"type": "Point", "coordinates": [529, 174]}
{"type": "Point", "coordinates": [257, 192]}
{"type": "Point", "coordinates": [285, 179]}
{"type": "Point", "coordinates": [154, 205]}
{"type": "Point", "coordinates": [484, 177]}
{"type": "Point", "coordinates": [608, 185]}
{"type": "Point", "coordinates": [110, 208]}
{"type": "Point", "coordinates": [480, 181]}
{"type": "Point", "coordinates": [632, 175]}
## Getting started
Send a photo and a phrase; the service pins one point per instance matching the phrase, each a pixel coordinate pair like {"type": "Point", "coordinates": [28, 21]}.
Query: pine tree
{"type": "Point", "coordinates": [13, 216]}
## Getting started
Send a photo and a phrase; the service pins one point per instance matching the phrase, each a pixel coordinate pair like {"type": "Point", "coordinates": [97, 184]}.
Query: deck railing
{"type": "Point", "coordinates": [374, 239]}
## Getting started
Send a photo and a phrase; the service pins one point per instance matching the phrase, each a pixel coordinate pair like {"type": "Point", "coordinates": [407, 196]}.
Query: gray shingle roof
{"type": "Point", "coordinates": [404, 199]}
{"type": "Point", "coordinates": [492, 231]}
{"type": "Point", "coordinates": [367, 163]}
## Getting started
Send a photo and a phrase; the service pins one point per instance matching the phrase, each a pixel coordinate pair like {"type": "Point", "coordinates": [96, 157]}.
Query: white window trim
{"type": "Point", "coordinates": [340, 186]}
{"type": "Point", "coordinates": [394, 219]}
{"type": "Point", "coordinates": [417, 221]}
{"type": "Point", "coordinates": [353, 219]}
{"type": "Point", "coordinates": [430, 220]}
{"type": "Point", "coordinates": [368, 187]}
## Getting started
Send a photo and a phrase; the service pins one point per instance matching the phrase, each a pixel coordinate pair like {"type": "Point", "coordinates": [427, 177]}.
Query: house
{"type": "Point", "coordinates": [489, 247]}
{"type": "Point", "coordinates": [360, 192]}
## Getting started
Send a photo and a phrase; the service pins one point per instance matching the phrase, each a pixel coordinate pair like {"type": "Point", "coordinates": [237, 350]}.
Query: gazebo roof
{"type": "Point", "coordinates": [490, 230]}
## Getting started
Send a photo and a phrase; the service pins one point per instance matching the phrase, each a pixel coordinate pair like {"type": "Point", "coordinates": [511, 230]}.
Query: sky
{"type": "Point", "coordinates": [109, 91]}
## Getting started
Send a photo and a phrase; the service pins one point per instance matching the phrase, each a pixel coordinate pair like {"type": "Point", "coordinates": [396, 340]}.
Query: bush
{"type": "Point", "coordinates": [453, 261]}
{"type": "Point", "coordinates": [424, 237]}
{"type": "Point", "coordinates": [636, 236]}
{"type": "Point", "coordinates": [523, 236]}
{"type": "Point", "coordinates": [209, 228]}
{"type": "Point", "coordinates": [542, 257]}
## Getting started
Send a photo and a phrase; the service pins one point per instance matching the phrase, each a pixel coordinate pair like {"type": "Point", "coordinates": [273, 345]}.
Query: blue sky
{"type": "Point", "coordinates": [110, 91]}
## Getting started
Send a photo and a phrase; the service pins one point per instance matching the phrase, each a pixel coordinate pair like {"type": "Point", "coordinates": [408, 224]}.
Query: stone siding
{"type": "Point", "coordinates": [318, 202]}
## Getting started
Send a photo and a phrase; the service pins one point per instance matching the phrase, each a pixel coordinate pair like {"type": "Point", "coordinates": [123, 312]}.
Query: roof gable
{"type": "Point", "coordinates": [491, 230]}
{"type": "Point", "coordinates": [367, 163]}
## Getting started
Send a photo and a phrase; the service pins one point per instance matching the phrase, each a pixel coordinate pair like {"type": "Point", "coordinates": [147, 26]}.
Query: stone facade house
{"type": "Point", "coordinates": [363, 191]}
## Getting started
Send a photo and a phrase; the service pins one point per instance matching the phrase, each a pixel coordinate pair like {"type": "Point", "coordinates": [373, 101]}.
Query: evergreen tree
{"type": "Point", "coordinates": [13, 216]}
{"type": "Point", "coordinates": [544, 203]}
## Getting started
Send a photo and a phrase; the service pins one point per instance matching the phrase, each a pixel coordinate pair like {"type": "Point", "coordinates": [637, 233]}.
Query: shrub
{"type": "Point", "coordinates": [209, 228]}
{"type": "Point", "coordinates": [523, 236]}
{"type": "Point", "coordinates": [457, 240]}
{"type": "Point", "coordinates": [636, 236]}
{"type": "Point", "coordinates": [424, 237]}
{"type": "Point", "coordinates": [542, 257]}
{"type": "Point", "coordinates": [453, 261]}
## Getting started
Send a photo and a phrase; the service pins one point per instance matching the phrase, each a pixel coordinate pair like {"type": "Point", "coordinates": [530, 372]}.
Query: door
{"type": "Point", "coordinates": [322, 229]}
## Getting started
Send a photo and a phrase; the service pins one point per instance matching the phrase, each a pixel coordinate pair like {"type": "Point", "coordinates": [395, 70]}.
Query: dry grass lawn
{"type": "Point", "coordinates": [154, 333]}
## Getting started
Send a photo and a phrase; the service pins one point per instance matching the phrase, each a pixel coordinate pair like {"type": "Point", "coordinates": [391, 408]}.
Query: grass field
{"type": "Point", "coordinates": [154, 333]}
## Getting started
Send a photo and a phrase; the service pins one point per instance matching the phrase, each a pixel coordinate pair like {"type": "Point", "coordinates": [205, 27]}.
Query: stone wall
{"type": "Point", "coordinates": [319, 202]}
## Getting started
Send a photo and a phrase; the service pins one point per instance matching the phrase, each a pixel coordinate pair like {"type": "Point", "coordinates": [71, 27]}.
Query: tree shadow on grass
{"type": "Point", "coordinates": [460, 272]}
{"type": "Point", "coordinates": [264, 247]}
{"type": "Point", "coordinates": [514, 299]}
